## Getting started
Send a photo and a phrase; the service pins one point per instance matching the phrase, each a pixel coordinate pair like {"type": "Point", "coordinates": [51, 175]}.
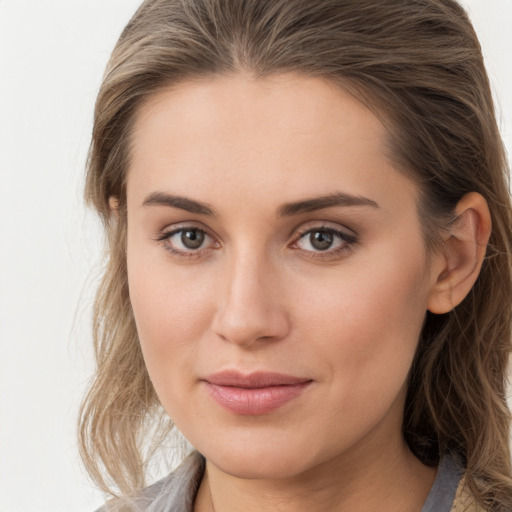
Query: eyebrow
{"type": "Point", "coordinates": [319, 203]}
{"type": "Point", "coordinates": [287, 210]}
{"type": "Point", "coordinates": [183, 203]}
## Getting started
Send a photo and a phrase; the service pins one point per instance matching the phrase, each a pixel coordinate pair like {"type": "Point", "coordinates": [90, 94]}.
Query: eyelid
{"type": "Point", "coordinates": [170, 229]}
{"type": "Point", "coordinates": [306, 227]}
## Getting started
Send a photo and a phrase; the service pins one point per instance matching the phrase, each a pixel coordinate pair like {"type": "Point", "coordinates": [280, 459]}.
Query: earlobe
{"type": "Point", "coordinates": [460, 259]}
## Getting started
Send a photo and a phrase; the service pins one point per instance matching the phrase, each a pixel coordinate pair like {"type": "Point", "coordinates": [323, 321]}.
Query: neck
{"type": "Point", "coordinates": [387, 478]}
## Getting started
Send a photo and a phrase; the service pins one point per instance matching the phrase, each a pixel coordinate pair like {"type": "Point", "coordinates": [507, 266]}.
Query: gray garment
{"type": "Point", "coordinates": [441, 496]}
{"type": "Point", "coordinates": [176, 492]}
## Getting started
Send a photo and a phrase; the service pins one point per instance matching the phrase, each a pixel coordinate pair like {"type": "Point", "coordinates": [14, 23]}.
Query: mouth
{"type": "Point", "coordinates": [256, 393]}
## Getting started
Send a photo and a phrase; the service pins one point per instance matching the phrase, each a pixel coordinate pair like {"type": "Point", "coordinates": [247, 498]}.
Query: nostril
{"type": "Point", "coordinates": [247, 328]}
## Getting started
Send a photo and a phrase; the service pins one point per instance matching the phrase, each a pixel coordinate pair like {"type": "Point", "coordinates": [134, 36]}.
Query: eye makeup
{"type": "Point", "coordinates": [320, 241]}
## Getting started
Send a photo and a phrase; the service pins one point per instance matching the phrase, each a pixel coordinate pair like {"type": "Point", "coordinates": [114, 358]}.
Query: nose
{"type": "Point", "coordinates": [252, 307]}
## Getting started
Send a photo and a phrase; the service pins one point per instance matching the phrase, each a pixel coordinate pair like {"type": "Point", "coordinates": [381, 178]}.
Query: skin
{"type": "Point", "coordinates": [258, 295]}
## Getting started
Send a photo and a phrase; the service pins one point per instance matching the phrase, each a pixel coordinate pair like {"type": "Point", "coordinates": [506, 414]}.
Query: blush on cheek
{"type": "Point", "coordinates": [379, 330]}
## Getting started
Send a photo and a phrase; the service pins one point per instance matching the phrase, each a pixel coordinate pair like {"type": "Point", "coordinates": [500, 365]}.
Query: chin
{"type": "Point", "coordinates": [262, 465]}
{"type": "Point", "coordinates": [274, 458]}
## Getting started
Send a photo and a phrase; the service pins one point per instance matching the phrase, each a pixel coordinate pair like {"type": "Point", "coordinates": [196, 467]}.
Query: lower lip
{"type": "Point", "coordinates": [255, 401]}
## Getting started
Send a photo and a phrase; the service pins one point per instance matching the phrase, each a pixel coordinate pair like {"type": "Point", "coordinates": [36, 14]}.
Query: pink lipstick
{"type": "Point", "coordinates": [256, 393]}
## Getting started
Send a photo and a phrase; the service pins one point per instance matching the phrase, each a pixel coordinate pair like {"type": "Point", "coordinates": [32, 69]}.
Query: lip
{"type": "Point", "coordinates": [256, 393]}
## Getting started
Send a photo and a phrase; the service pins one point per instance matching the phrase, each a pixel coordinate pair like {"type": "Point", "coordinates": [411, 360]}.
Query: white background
{"type": "Point", "coordinates": [52, 56]}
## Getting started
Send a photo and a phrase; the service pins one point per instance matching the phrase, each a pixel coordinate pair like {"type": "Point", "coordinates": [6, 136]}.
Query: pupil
{"type": "Point", "coordinates": [192, 239]}
{"type": "Point", "coordinates": [321, 240]}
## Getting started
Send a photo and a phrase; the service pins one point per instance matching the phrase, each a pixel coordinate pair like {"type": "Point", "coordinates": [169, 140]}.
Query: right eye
{"type": "Point", "coordinates": [187, 241]}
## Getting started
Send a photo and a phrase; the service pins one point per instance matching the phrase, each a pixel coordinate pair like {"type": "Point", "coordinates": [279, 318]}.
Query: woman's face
{"type": "Point", "coordinates": [277, 271]}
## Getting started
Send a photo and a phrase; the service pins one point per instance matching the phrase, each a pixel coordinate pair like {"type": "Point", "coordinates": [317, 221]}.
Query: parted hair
{"type": "Point", "coordinates": [418, 65]}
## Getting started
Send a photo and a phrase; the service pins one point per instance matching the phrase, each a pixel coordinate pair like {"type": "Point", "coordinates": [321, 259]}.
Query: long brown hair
{"type": "Point", "coordinates": [418, 65]}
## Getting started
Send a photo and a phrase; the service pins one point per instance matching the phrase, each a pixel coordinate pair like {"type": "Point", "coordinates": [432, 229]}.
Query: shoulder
{"type": "Point", "coordinates": [175, 492]}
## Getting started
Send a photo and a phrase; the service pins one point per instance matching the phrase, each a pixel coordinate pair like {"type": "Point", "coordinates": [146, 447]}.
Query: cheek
{"type": "Point", "coordinates": [170, 312]}
{"type": "Point", "coordinates": [367, 322]}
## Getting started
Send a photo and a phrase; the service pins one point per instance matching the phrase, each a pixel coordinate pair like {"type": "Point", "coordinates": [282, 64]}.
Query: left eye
{"type": "Point", "coordinates": [324, 239]}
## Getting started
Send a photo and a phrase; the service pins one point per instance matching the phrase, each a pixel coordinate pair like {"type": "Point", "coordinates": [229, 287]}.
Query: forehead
{"type": "Point", "coordinates": [293, 133]}
{"type": "Point", "coordinates": [303, 97]}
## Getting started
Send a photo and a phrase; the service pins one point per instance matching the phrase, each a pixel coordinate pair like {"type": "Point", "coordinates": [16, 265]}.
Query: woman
{"type": "Point", "coordinates": [309, 260]}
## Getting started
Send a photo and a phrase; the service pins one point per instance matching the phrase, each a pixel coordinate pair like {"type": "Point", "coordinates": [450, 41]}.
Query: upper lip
{"type": "Point", "coordinates": [254, 380]}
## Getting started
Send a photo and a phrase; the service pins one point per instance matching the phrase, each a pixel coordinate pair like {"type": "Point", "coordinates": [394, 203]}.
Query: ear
{"type": "Point", "coordinates": [460, 260]}
{"type": "Point", "coordinates": [113, 203]}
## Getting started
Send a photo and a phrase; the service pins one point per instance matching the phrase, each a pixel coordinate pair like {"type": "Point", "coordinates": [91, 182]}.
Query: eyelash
{"type": "Point", "coordinates": [348, 240]}
{"type": "Point", "coordinates": [167, 235]}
